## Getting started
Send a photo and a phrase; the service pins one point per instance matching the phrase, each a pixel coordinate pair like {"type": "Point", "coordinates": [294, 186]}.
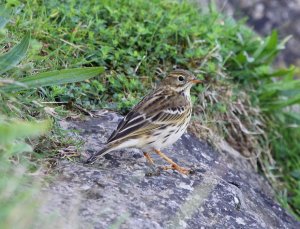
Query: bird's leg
{"type": "Point", "coordinates": [154, 171]}
{"type": "Point", "coordinates": [149, 159]}
{"type": "Point", "coordinates": [173, 164]}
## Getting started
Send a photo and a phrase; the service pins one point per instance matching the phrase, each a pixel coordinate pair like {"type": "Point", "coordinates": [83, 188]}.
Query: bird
{"type": "Point", "coordinates": [157, 121]}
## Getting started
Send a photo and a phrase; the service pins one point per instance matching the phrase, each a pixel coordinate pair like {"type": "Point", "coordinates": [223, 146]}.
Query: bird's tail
{"type": "Point", "coordinates": [93, 157]}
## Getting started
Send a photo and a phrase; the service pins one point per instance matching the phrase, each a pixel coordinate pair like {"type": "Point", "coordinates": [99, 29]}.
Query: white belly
{"type": "Point", "coordinates": [163, 139]}
{"type": "Point", "coordinates": [159, 139]}
{"type": "Point", "coordinates": [167, 137]}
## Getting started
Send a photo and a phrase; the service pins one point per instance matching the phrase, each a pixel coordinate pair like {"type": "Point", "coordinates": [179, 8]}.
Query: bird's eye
{"type": "Point", "coordinates": [181, 78]}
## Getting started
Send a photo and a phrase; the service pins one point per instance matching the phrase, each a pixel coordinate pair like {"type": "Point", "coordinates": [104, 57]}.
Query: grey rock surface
{"type": "Point", "coordinates": [264, 16]}
{"type": "Point", "coordinates": [224, 192]}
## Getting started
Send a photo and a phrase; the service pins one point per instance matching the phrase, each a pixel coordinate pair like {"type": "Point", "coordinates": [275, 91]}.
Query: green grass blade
{"type": "Point", "coordinates": [21, 129]}
{"type": "Point", "coordinates": [282, 86]}
{"type": "Point", "coordinates": [284, 103]}
{"type": "Point", "coordinates": [293, 117]}
{"type": "Point", "coordinates": [4, 16]}
{"type": "Point", "coordinates": [55, 78]}
{"type": "Point", "coordinates": [267, 51]}
{"type": "Point", "coordinates": [15, 55]}
{"type": "Point", "coordinates": [264, 72]}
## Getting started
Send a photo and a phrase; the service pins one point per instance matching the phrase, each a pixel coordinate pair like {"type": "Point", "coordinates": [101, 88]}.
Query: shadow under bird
{"type": "Point", "coordinates": [157, 121]}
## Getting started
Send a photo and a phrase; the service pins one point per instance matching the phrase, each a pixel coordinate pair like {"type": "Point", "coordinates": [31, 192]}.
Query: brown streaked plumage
{"type": "Point", "coordinates": [157, 121]}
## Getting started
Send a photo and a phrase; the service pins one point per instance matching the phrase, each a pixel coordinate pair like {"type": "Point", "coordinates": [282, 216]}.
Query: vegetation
{"type": "Point", "coordinates": [244, 101]}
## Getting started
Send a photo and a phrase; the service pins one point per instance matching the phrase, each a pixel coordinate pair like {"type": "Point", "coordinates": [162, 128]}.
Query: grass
{"type": "Point", "coordinates": [15, 194]}
{"type": "Point", "coordinates": [245, 101]}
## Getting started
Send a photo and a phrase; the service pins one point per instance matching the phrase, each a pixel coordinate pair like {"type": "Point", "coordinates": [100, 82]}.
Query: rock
{"type": "Point", "coordinates": [266, 15]}
{"type": "Point", "coordinates": [224, 192]}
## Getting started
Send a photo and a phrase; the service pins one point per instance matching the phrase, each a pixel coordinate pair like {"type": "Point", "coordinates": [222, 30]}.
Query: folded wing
{"type": "Point", "coordinates": [144, 119]}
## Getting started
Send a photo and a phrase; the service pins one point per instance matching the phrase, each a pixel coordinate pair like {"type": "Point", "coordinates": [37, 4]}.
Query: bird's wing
{"type": "Point", "coordinates": [147, 116]}
{"type": "Point", "coordinates": [130, 119]}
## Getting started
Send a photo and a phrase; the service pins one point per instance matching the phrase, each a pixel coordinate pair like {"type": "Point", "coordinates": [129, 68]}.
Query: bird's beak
{"type": "Point", "coordinates": [195, 81]}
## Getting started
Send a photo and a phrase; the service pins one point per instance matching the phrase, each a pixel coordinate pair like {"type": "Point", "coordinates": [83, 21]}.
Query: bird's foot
{"type": "Point", "coordinates": [90, 160]}
{"type": "Point", "coordinates": [178, 168]}
{"type": "Point", "coordinates": [153, 172]}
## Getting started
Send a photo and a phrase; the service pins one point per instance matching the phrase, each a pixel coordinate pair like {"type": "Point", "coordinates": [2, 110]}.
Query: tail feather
{"type": "Point", "coordinates": [94, 157]}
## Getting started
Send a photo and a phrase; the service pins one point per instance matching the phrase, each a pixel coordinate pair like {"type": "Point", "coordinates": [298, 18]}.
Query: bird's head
{"type": "Point", "coordinates": [180, 80]}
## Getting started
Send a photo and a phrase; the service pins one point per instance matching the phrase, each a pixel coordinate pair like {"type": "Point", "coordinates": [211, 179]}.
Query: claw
{"type": "Point", "coordinates": [177, 168]}
{"type": "Point", "coordinates": [90, 160]}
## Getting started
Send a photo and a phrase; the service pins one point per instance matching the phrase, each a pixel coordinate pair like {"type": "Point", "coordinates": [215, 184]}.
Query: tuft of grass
{"type": "Point", "coordinates": [18, 127]}
{"type": "Point", "coordinates": [15, 194]}
{"type": "Point", "coordinates": [245, 103]}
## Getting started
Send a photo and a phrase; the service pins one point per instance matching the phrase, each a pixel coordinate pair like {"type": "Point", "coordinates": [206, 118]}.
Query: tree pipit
{"type": "Point", "coordinates": [157, 121]}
